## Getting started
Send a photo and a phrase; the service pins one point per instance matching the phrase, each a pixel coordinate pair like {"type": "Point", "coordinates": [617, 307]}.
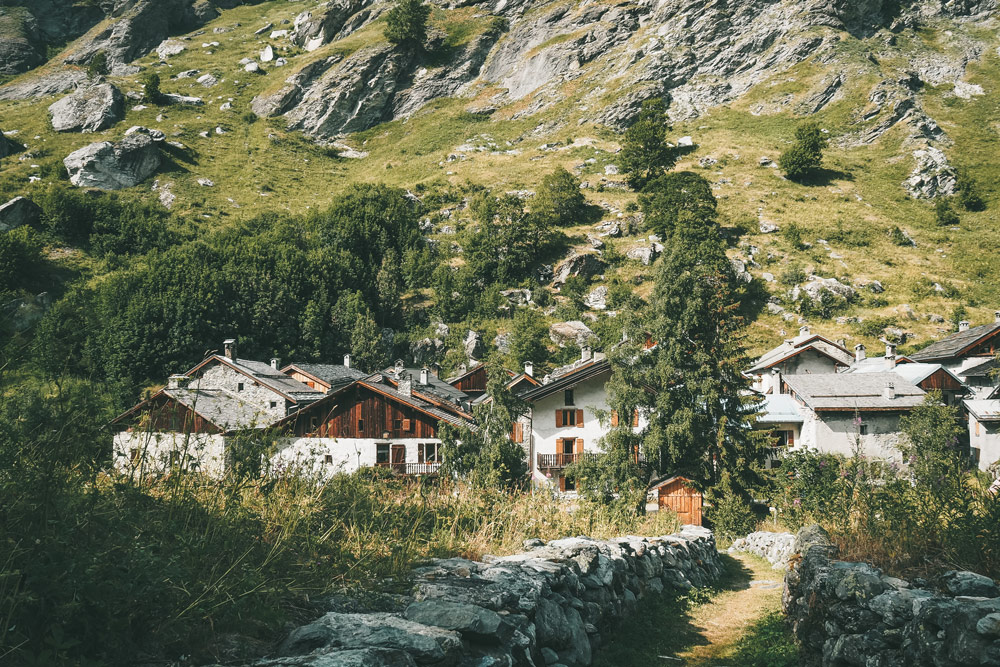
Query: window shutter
{"type": "Point", "coordinates": [559, 421]}
{"type": "Point", "coordinates": [407, 425]}
{"type": "Point", "coordinates": [579, 445]}
{"type": "Point", "coordinates": [614, 418]}
{"type": "Point", "coordinates": [579, 418]}
{"type": "Point", "coordinates": [562, 483]}
{"type": "Point", "coordinates": [791, 438]}
{"type": "Point", "coordinates": [635, 417]}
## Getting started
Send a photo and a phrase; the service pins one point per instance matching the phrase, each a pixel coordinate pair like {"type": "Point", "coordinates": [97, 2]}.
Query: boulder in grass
{"type": "Point", "coordinates": [18, 212]}
{"type": "Point", "coordinates": [114, 166]}
{"type": "Point", "coordinates": [89, 109]}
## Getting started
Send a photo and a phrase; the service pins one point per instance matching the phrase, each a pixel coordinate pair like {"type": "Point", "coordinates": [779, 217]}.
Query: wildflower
{"type": "Point", "coordinates": [797, 502]}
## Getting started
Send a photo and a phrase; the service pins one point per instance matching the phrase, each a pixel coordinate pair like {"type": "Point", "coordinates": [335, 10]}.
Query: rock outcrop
{"type": "Point", "coordinates": [89, 109]}
{"type": "Point", "coordinates": [572, 332]}
{"type": "Point", "coordinates": [846, 613]}
{"type": "Point", "coordinates": [20, 41]}
{"type": "Point", "coordinates": [17, 212]}
{"type": "Point", "coordinates": [585, 264]}
{"type": "Point", "coordinates": [113, 166]}
{"type": "Point", "coordinates": [553, 604]}
{"type": "Point", "coordinates": [932, 177]}
{"type": "Point", "coordinates": [8, 146]}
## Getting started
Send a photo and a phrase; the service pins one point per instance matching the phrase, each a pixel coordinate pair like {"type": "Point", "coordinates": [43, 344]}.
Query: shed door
{"type": "Point", "coordinates": [399, 458]}
{"type": "Point", "coordinates": [683, 500]}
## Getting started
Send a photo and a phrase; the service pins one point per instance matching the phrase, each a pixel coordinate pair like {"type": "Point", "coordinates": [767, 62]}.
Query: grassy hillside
{"type": "Point", "coordinates": [258, 165]}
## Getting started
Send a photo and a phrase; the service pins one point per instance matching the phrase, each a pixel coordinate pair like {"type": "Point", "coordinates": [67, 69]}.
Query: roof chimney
{"type": "Point", "coordinates": [436, 369]}
{"type": "Point", "coordinates": [585, 353]}
{"type": "Point", "coordinates": [462, 368]}
{"type": "Point", "coordinates": [423, 375]}
{"type": "Point", "coordinates": [859, 352]}
{"type": "Point", "coordinates": [529, 369]}
{"type": "Point", "coordinates": [405, 386]}
{"type": "Point", "coordinates": [275, 362]}
{"type": "Point", "coordinates": [963, 325]}
{"type": "Point", "coordinates": [347, 361]}
{"type": "Point", "coordinates": [890, 391]}
{"type": "Point", "coordinates": [776, 381]}
{"type": "Point", "coordinates": [178, 381]}
{"type": "Point", "coordinates": [229, 345]}
{"type": "Point", "coordinates": [399, 369]}
{"type": "Point", "coordinates": [996, 316]}
{"type": "Point", "coordinates": [890, 354]}
{"type": "Point", "coordinates": [804, 330]}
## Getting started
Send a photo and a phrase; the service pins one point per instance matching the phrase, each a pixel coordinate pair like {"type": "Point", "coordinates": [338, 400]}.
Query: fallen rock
{"type": "Point", "coordinates": [517, 296]}
{"type": "Point", "coordinates": [207, 80]}
{"type": "Point", "coordinates": [267, 54]}
{"type": "Point", "coordinates": [113, 166]}
{"type": "Point", "coordinates": [89, 109]}
{"type": "Point", "coordinates": [169, 47]}
{"type": "Point", "coordinates": [473, 345]}
{"type": "Point", "coordinates": [174, 98]}
{"type": "Point", "coordinates": [597, 299]}
{"type": "Point", "coordinates": [585, 265]}
{"type": "Point", "coordinates": [253, 68]}
{"type": "Point", "coordinates": [206, 182]}
{"type": "Point", "coordinates": [573, 331]}
{"type": "Point", "coordinates": [645, 254]}
{"type": "Point", "coordinates": [17, 212]}
{"type": "Point", "coordinates": [8, 146]}
{"type": "Point", "coordinates": [816, 286]}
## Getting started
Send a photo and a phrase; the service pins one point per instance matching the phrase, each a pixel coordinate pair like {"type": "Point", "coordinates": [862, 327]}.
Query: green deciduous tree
{"type": "Point", "coordinates": [559, 199]}
{"type": "Point", "coordinates": [645, 153]}
{"type": "Point", "coordinates": [527, 338]}
{"type": "Point", "coordinates": [665, 197]}
{"type": "Point", "coordinates": [506, 241]}
{"type": "Point", "coordinates": [806, 154]}
{"type": "Point", "coordinates": [367, 351]}
{"type": "Point", "coordinates": [933, 448]}
{"type": "Point", "coordinates": [406, 23]}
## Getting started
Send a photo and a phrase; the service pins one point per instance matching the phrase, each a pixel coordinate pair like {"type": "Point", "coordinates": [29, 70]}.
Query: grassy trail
{"type": "Point", "coordinates": [738, 623]}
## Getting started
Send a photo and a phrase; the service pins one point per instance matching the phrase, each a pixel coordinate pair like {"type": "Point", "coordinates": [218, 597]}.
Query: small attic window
{"type": "Point", "coordinates": [239, 386]}
{"type": "Point", "coordinates": [274, 404]}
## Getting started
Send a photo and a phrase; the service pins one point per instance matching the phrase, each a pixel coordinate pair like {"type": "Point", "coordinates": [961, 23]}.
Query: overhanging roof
{"type": "Point", "coordinates": [957, 344]}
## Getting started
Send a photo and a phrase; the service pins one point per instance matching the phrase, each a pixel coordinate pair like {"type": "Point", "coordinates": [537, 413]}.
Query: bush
{"type": "Point", "coordinates": [792, 275]}
{"type": "Point", "coordinates": [943, 213]}
{"type": "Point", "coordinates": [899, 237]}
{"type": "Point", "coordinates": [151, 86]}
{"type": "Point", "coordinates": [806, 154]}
{"type": "Point", "coordinates": [731, 517]}
{"type": "Point", "coordinates": [406, 23]}
{"type": "Point", "coordinates": [967, 193]}
{"type": "Point", "coordinates": [793, 234]}
{"type": "Point", "coordinates": [560, 200]}
{"type": "Point", "coordinates": [98, 65]}
{"type": "Point", "coordinates": [20, 258]}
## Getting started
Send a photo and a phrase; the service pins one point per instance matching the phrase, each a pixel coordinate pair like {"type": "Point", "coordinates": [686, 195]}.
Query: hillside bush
{"type": "Point", "coordinates": [806, 155]}
{"type": "Point", "coordinates": [945, 214]}
{"type": "Point", "coordinates": [151, 87]}
{"type": "Point", "coordinates": [406, 23]}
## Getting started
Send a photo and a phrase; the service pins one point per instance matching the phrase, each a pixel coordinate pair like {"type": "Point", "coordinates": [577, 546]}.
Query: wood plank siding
{"type": "Point", "coordinates": [164, 413]}
{"type": "Point", "coordinates": [940, 380]}
{"type": "Point", "coordinates": [473, 381]}
{"type": "Point", "coordinates": [360, 412]}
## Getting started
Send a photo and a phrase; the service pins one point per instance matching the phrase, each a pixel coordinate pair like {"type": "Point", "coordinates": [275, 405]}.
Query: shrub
{"type": "Point", "coordinates": [98, 65]}
{"type": "Point", "coordinates": [793, 234]}
{"type": "Point", "coordinates": [151, 85]}
{"type": "Point", "coordinates": [967, 193]}
{"type": "Point", "coordinates": [944, 214]}
{"type": "Point", "coordinates": [406, 23]}
{"type": "Point", "coordinates": [559, 199]}
{"type": "Point", "coordinates": [899, 237]}
{"type": "Point", "coordinates": [874, 326]}
{"type": "Point", "coordinates": [792, 275]}
{"type": "Point", "coordinates": [731, 517]}
{"type": "Point", "coordinates": [806, 154]}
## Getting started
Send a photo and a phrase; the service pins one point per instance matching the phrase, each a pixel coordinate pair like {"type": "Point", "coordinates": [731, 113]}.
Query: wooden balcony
{"type": "Point", "coordinates": [557, 461]}
{"type": "Point", "coordinates": [412, 468]}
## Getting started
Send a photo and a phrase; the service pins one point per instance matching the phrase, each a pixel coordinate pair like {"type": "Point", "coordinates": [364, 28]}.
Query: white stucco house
{"type": "Point", "coordinates": [807, 353]}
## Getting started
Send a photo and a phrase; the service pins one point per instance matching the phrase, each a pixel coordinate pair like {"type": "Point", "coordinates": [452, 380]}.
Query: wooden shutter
{"type": "Point", "coordinates": [407, 425]}
{"type": "Point", "coordinates": [579, 446]}
{"type": "Point", "coordinates": [517, 432]}
{"type": "Point", "coordinates": [635, 417]}
{"type": "Point", "coordinates": [559, 419]}
{"type": "Point", "coordinates": [562, 483]}
{"type": "Point", "coordinates": [614, 418]}
{"type": "Point", "coordinates": [791, 438]}
{"type": "Point", "coordinates": [579, 418]}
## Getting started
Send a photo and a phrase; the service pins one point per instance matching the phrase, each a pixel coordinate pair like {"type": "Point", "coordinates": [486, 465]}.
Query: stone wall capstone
{"type": "Point", "coordinates": [550, 605]}
{"type": "Point", "coordinates": [846, 614]}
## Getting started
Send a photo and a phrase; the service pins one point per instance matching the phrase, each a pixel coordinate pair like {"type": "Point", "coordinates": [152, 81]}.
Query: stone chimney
{"type": "Point", "coordinates": [275, 363]}
{"type": "Point", "coordinates": [229, 345]}
{"type": "Point", "coordinates": [804, 330]}
{"type": "Point", "coordinates": [890, 354]}
{"type": "Point", "coordinates": [889, 393]}
{"type": "Point", "coordinates": [423, 376]}
{"type": "Point", "coordinates": [399, 368]}
{"type": "Point", "coordinates": [529, 369]}
{"type": "Point", "coordinates": [859, 352]}
{"type": "Point", "coordinates": [586, 353]}
{"type": "Point", "coordinates": [405, 386]}
{"type": "Point", "coordinates": [776, 381]}
{"type": "Point", "coordinates": [436, 369]}
{"type": "Point", "coordinates": [178, 381]}
{"type": "Point", "coordinates": [963, 325]}
{"type": "Point", "coordinates": [996, 316]}
{"type": "Point", "coordinates": [347, 361]}
{"type": "Point", "coordinates": [842, 342]}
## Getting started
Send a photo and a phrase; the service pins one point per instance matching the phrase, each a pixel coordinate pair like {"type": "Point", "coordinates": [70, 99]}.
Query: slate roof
{"type": "Point", "coordinates": [854, 391]}
{"type": "Point", "coordinates": [798, 345]}
{"type": "Point", "coordinates": [985, 369]}
{"type": "Point", "coordinates": [336, 375]}
{"type": "Point", "coordinates": [780, 409]}
{"type": "Point", "coordinates": [272, 378]}
{"type": "Point", "coordinates": [985, 410]}
{"type": "Point", "coordinates": [222, 408]}
{"type": "Point", "coordinates": [914, 373]}
{"type": "Point", "coordinates": [435, 386]}
{"type": "Point", "coordinates": [413, 401]}
{"type": "Point", "coordinates": [584, 371]}
{"type": "Point", "coordinates": [955, 344]}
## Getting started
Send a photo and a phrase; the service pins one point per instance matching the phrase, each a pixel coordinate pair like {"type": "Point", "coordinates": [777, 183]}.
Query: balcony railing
{"type": "Point", "coordinates": [553, 461]}
{"type": "Point", "coordinates": [411, 468]}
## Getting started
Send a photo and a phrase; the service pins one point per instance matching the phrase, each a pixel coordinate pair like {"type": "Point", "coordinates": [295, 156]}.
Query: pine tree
{"type": "Point", "coordinates": [806, 154]}
{"type": "Point", "coordinates": [559, 199]}
{"type": "Point", "coordinates": [367, 351]}
{"type": "Point", "coordinates": [645, 153]}
{"type": "Point", "coordinates": [663, 199]}
{"type": "Point", "coordinates": [406, 23]}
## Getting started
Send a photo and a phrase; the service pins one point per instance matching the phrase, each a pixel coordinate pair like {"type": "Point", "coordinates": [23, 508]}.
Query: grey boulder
{"type": "Point", "coordinates": [969, 583]}
{"type": "Point", "coordinates": [585, 265]}
{"type": "Point", "coordinates": [88, 109]}
{"type": "Point", "coordinates": [17, 212]}
{"type": "Point", "coordinates": [8, 146]}
{"type": "Point", "coordinates": [114, 166]}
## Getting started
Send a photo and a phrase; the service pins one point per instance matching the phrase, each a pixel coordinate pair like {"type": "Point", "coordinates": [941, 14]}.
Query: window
{"type": "Point", "coordinates": [862, 429]}
{"type": "Point", "coordinates": [407, 425]}
{"type": "Point", "coordinates": [428, 452]}
{"type": "Point", "coordinates": [328, 459]}
{"type": "Point", "coordinates": [397, 424]}
{"type": "Point", "coordinates": [313, 423]}
{"type": "Point", "coordinates": [133, 455]}
{"type": "Point", "coordinates": [784, 438]}
{"type": "Point", "coordinates": [274, 404]}
{"type": "Point", "coordinates": [361, 426]}
{"type": "Point", "coordinates": [569, 418]}
{"type": "Point", "coordinates": [239, 386]}
{"type": "Point", "coordinates": [568, 395]}
{"type": "Point", "coordinates": [382, 454]}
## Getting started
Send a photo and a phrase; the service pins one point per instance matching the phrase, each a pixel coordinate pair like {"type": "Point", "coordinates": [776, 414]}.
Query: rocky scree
{"type": "Point", "coordinates": [846, 613]}
{"type": "Point", "coordinates": [551, 604]}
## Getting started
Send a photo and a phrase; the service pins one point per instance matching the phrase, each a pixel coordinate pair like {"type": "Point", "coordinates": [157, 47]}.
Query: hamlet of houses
{"type": "Point", "coordinates": [329, 418]}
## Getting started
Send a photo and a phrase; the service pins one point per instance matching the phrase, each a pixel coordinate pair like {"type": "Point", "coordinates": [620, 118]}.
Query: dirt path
{"type": "Point", "coordinates": [731, 614]}
{"type": "Point", "coordinates": [734, 626]}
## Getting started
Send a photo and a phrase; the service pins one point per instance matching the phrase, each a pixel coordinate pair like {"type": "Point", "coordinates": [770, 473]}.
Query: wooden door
{"type": "Point", "coordinates": [683, 500]}
{"type": "Point", "coordinates": [399, 458]}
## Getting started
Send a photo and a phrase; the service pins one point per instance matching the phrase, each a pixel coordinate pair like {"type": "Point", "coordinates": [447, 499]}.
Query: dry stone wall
{"type": "Point", "coordinates": [845, 614]}
{"type": "Point", "coordinates": [775, 548]}
{"type": "Point", "coordinates": [550, 605]}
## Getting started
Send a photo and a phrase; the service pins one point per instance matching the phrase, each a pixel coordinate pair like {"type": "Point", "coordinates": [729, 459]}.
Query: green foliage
{"type": "Point", "coordinates": [527, 339]}
{"type": "Point", "coordinates": [967, 193]}
{"type": "Point", "coordinates": [793, 234]}
{"type": "Point", "coordinates": [858, 237]}
{"type": "Point", "coordinates": [806, 155]}
{"type": "Point", "coordinates": [824, 306]}
{"type": "Point", "coordinates": [792, 275]}
{"type": "Point", "coordinates": [768, 642]}
{"type": "Point", "coordinates": [875, 325]}
{"type": "Point", "coordinates": [20, 259]}
{"type": "Point", "coordinates": [898, 237]}
{"type": "Point", "coordinates": [944, 214]}
{"type": "Point", "coordinates": [645, 153]}
{"type": "Point", "coordinates": [406, 23]}
{"type": "Point", "coordinates": [150, 82]}
{"type": "Point", "coordinates": [730, 515]}
{"type": "Point", "coordinates": [665, 197]}
{"type": "Point", "coordinates": [98, 65]}
{"type": "Point", "coordinates": [560, 200]}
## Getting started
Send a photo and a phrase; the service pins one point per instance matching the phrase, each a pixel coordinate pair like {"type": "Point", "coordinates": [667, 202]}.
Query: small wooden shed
{"type": "Point", "coordinates": [677, 493]}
